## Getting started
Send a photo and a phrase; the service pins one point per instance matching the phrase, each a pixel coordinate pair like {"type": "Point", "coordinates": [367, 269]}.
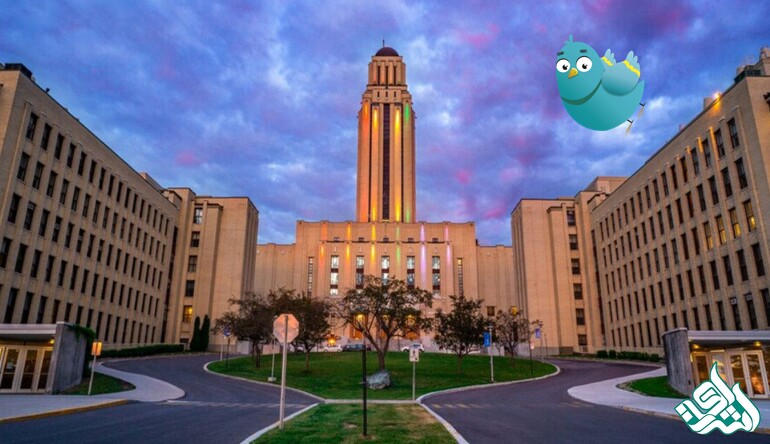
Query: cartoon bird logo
{"type": "Point", "coordinates": [598, 93]}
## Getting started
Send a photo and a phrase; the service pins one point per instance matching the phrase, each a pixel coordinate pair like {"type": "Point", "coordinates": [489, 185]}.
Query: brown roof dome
{"type": "Point", "coordinates": [386, 51]}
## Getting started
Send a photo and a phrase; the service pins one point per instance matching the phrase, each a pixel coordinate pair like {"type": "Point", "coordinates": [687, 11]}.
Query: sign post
{"type": "Point", "coordinates": [96, 350]}
{"type": "Point", "coordinates": [488, 345]}
{"type": "Point", "coordinates": [285, 329]}
{"type": "Point", "coordinates": [226, 334]}
{"type": "Point", "coordinates": [414, 358]}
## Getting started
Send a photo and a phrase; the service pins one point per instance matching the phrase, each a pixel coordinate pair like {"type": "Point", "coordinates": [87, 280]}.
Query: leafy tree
{"type": "Point", "coordinates": [512, 329]}
{"type": "Point", "coordinates": [196, 336]}
{"type": "Point", "coordinates": [252, 320]}
{"type": "Point", "coordinates": [312, 314]}
{"type": "Point", "coordinates": [384, 309]}
{"type": "Point", "coordinates": [462, 329]}
{"type": "Point", "coordinates": [203, 335]}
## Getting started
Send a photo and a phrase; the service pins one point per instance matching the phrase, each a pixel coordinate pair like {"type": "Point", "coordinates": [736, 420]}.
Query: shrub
{"type": "Point", "coordinates": [613, 354]}
{"type": "Point", "coordinates": [602, 354]}
{"type": "Point", "coordinates": [147, 350]}
{"type": "Point", "coordinates": [654, 357]}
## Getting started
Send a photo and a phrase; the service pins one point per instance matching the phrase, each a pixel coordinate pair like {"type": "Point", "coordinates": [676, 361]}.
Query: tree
{"type": "Point", "coordinates": [252, 320]}
{"type": "Point", "coordinates": [384, 309]}
{"type": "Point", "coordinates": [312, 314]}
{"type": "Point", "coordinates": [196, 336]}
{"type": "Point", "coordinates": [512, 328]}
{"type": "Point", "coordinates": [203, 335]}
{"type": "Point", "coordinates": [461, 330]}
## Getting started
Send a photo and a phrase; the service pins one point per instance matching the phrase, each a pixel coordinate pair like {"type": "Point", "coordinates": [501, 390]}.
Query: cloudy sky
{"type": "Point", "coordinates": [260, 98]}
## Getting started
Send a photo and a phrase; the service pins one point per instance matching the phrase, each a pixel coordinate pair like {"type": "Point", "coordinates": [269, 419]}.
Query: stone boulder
{"type": "Point", "coordinates": [379, 380]}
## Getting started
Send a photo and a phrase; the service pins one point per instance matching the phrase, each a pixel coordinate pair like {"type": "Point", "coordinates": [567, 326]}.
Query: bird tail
{"type": "Point", "coordinates": [628, 129]}
{"type": "Point", "coordinates": [641, 111]}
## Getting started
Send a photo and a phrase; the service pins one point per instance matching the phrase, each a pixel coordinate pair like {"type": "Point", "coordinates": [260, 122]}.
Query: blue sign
{"type": "Point", "coordinates": [487, 339]}
{"type": "Point", "coordinates": [226, 332]}
{"type": "Point", "coordinates": [537, 332]}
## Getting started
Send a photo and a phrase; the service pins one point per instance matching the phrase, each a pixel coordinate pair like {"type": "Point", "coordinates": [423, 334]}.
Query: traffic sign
{"type": "Point", "coordinates": [487, 339]}
{"type": "Point", "coordinates": [414, 355]}
{"type": "Point", "coordinates": [537, 332]}
{"type": "Point", "coordinates": [280, 330]}
{"type": "Point", "coordinates": [226, 332]}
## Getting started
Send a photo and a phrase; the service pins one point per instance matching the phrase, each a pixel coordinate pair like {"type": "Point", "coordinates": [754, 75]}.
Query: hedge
{"type": "Point", "coordinates": [147, 350]}
{"type": "Point", "coordinates": [628, 355]}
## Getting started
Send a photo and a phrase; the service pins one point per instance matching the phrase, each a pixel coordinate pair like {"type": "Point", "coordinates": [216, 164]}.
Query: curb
{"type": "Point", "coordinates": [238, 378]}
{"type": "Point", "coordinates": [481, 386]}
{"type": "Point", "coordinates": [371, 401]}
{"type": "Point", "coordinates": [66, 411]}
{"type": "Point", "coordinates": [611, 361]}
{"type": "Point", "coordinates": [452, 431]}
{"type": "Point", "coordinates": [251, 438]}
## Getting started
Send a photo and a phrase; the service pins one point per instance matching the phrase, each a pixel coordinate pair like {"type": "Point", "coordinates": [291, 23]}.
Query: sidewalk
{"type": "Point", "coordinates": [18, 407]}
{"type": "Point", "coordinates": [607, 393]}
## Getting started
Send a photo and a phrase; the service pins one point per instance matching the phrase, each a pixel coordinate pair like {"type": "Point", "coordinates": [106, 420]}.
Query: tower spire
{"type": "Point", "coordinates": [386, 173]}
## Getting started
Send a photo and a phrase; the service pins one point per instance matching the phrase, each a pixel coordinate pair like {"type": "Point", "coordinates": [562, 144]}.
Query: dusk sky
{"type": "Point", "coordinates": [259, 99]}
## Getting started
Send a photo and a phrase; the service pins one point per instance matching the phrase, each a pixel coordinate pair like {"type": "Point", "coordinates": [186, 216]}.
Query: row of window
{"type": "Point", "coordinates": [614, 221]}
{"type": "Point", "coordinates": [149, 276]}
{"type": "Point", "coordinates": [624, 244]}
{"type": "Point", "coordinates": [130, 198]}
{"type": "Point", "coordinates": [145, 333]}
{"type": "Point", "coordinates": [385, 274]}
{"type": "Point", "coordinates": [648, 334]}
{"type": "Point", "coordinates": [127, 228]}
{"type": "Point", "coordinates": [727, 266]}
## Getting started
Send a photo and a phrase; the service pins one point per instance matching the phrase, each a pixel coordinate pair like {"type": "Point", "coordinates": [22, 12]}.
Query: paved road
{"type": "Point", "coordinates": [214, 410]}
{"type": "Point", "coordinates": [543, 412]}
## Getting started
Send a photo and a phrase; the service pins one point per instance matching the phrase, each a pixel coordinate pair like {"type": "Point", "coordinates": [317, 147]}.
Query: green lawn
{"type": "Point", "coordinates": [102, 384]}
{"type": "Point", "coordinates": [338, 375]}
{"type": "Point", "coordinates": [342, 423]}
{"type": "Point", "coordinates": [657, 386]}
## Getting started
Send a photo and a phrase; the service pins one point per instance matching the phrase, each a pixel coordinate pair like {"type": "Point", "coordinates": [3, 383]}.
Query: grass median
{"type": "Point", "coordinates": [657, 386]}
{"type": "Point", "coordinates": [102, 384]}
{"type": "Point", "coordinates": [338, 375]}
{"type": "Point", "coordinates": [342, 423]}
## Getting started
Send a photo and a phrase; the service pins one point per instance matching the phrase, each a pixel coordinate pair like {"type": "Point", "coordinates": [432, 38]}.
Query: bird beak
{"type": "Point", "coordinates": [572, 73]}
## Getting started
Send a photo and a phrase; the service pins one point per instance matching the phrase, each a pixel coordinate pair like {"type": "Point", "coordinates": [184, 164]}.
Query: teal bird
{"type": "Point", "coordinates": [597, 92]}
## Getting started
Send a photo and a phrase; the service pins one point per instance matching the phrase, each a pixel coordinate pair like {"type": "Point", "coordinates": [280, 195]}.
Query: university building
{"type": "Point", "coordinates": [387, 239]}
{"type": "Point", "coordinates": [87, 240]}
{"type": "Point", "coordinates": [680, 246]}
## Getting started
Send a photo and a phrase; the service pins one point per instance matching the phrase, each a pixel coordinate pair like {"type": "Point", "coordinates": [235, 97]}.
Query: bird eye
{"type": "Point", "coordinates": [584, 64]}
{"type": "Point", "coordinates": [563, 65]}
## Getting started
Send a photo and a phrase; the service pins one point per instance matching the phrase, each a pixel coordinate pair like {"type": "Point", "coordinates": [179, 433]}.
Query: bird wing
{"type": "Point", "coordinates": [620, 78]}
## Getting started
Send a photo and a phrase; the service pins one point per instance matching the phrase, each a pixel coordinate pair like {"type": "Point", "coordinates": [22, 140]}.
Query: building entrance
{"type": "Point", "coordinates": [747, 368]}
{"type": "Point", "coordinates": [24, 368]}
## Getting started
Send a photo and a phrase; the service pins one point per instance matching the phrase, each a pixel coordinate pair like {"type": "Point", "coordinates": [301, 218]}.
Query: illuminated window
{"type": "Point", "coordinates": [335, 262]}
{"type": "Point", "coordinates": [410, 272]}
{"type": "Point", "coordinates": [359, 272]}
{"type": "Point", "coordinates": [721, 230]}
{"type": "Point", "coordinates": [734, 222]}
{"type": "Point", "coordinates": [752, 223]}
{"type": "Point", "coordinates": [460, 276]}
{"type": "Point", "coordinates": [187, 313]}
{"type": "Point", "coordinates": [436, 275]}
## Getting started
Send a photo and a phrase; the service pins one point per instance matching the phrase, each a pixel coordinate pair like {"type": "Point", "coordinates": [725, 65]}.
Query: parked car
{"type": "Point", "coordinates": [415, 346]}
{"type": "Point", "coordinates": [332, 348]}
{"type": "Point", "coordinates": [355, 347]}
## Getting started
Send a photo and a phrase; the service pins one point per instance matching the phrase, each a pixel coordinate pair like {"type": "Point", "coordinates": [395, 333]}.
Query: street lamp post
{"type": "Point", "coordinates": [361, 318]}
{"type": "Point", "coordinates": [491, 327]}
